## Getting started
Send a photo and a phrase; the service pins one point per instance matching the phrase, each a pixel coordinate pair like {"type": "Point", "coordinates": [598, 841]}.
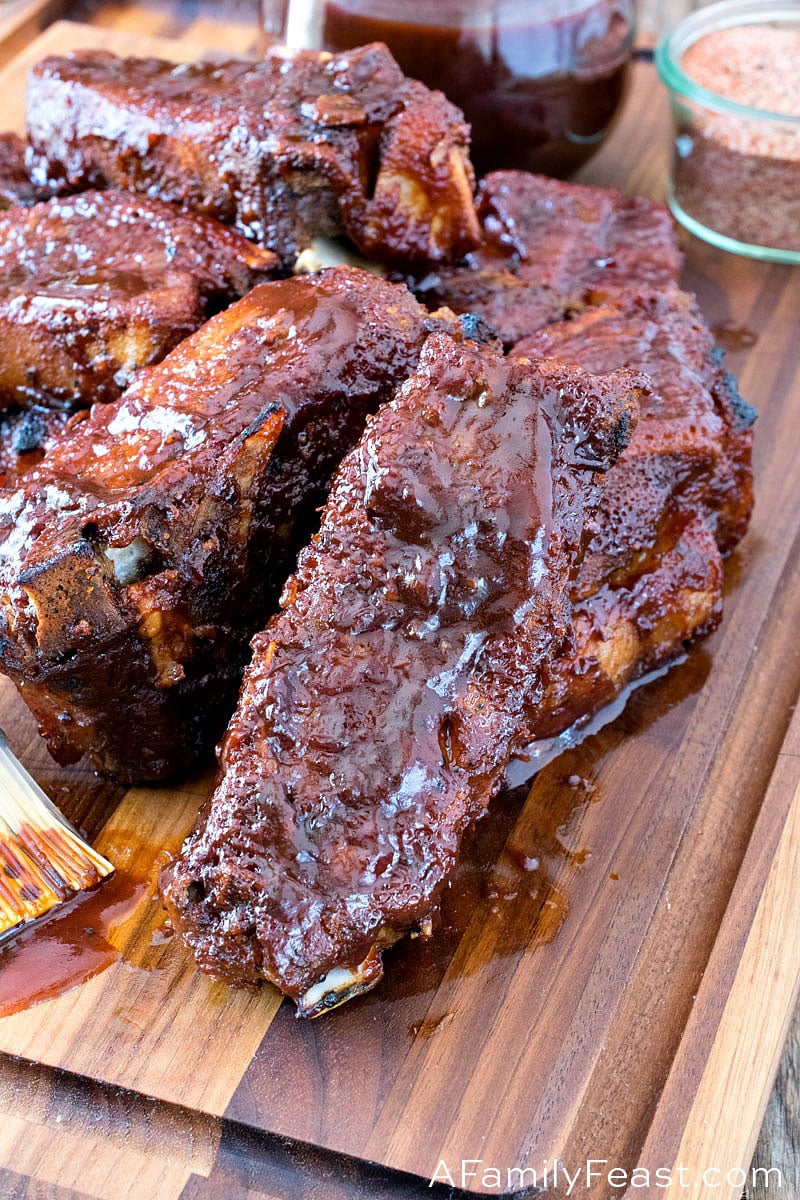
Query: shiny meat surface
{"type": "Point", "coordinates": [682, 492]}
{"type": "Point", "coordinates": [300, 144]}
{"type": "Point", "coordinates": [651, 577]}
{"type": "Point", "coordinates": [547, 246]}
{"type": "Point", "coordinates": [93, 287]}
{"type": "Point", "coordinates": [15, 183]}
{"type": "Point", "coordinates": [142, 553]}
{"type": "Point", "coordinates": [383, 704]}
{"type": "Point", "coordinates": [693, 445]}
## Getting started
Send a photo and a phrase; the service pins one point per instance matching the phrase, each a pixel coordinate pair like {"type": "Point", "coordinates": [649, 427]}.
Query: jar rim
{"type": "Point", "coordinates": [727, 14]}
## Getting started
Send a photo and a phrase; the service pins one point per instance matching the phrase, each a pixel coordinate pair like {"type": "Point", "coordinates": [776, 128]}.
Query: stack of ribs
{"type": "Point", "coordinates": [538, 463]}
{"type": "Point", "coordinates": [382, 706]}
{"type": "Point", "coordinates": [142, 553]}
{"type": "Point", "coordinates": [96, 286]}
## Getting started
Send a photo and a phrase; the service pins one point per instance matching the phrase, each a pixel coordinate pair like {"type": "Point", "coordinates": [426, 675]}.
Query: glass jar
{"type": "Point", "coordinates": [539, 80]}
{"type": "Point", "coordinates": [735, 170]}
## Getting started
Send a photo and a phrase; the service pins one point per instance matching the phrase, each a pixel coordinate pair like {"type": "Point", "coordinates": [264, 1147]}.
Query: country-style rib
{"type": "Point", "coordinates": [692, 447]}
{"type": "Point", "coordinates": [547, 246]}
{"type": "Point", "coordinates": [382, 705]}
{"type": "Point", "coordinates": [297, 145]}
{"type": "Point", "coordinates": [636, 620]}
{"type": "Point", "coordinates": [680, 495]}
{"type": "Point", "coordinates": [141, 554]}
{"type": "Point", "coordinates": [94, 287]}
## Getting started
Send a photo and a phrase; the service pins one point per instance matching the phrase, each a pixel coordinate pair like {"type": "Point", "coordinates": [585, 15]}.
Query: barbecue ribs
{"type": "Point", "coordinates": [546, 246]}
{"type": "Point", "coordinates": [382, 705]}
{"type": "Point", "coordinates": [693, 444]}
{"type": "Point", "coordinates": [141, 554]}
{"type": "Point", "coordinates": [296, 145]}
{"type": "Point", "coordinates": [651, 579]}
{"type": "Point", "coordinates": [94, 287]}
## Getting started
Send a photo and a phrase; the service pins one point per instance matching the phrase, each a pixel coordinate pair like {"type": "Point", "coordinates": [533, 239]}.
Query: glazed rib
{"type": "Point", "coordinates": [651, 579]}
{"type": "Point", "coordinates": [547, 246]}
{"type": "Point", "coordinates": [693, 445]}
{"type": "Point", "coordinates": [296, 145]}
{"type": "Point", "coordinates": [383, 704]}
{"type": "Point", "coordinates": [637, 620]}
{"type": "Point", "coordinates": [141, 554]}
{"type": "Point", "coordinates": [94, 287]}
{"type": "Point", "coordinates": [15, 183]}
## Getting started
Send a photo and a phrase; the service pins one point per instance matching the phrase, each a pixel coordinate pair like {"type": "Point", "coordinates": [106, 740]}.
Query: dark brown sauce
{"type": "Point", "coordinates": [87, 287]}
{"type": "Point", "coordinates": [68, 946]}
{"type": "Point", "coordinates": [539, 84]}
{"type": "Point", "coordinates": [431, 1025]}
{"type": "Point", "coordinates": [734, 337]}
{"type": "Point", "coordinates": [518, 865]}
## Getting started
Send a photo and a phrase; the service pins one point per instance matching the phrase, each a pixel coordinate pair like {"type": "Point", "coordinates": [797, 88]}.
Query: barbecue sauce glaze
{"type": "Point", "coordinates": [382, 705]}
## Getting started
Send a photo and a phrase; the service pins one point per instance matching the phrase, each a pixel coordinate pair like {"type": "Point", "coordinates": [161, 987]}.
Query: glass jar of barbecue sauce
{"type": "Point", "coordinates": [539, 80]}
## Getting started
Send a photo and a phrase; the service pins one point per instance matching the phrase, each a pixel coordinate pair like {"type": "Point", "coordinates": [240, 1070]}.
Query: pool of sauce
{"type": "Point", "coordinates": [68, 946]}
{"type": "Point", "coordinates": [733, 337]}
{"type": "Point", "coordinates": [539, 83]}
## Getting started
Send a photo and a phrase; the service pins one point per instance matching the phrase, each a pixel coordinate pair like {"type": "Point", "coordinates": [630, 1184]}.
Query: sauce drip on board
{"type": "Point", "coordinates": [68, 946]}
{"type": "Point", "coordinates": [539, 754]}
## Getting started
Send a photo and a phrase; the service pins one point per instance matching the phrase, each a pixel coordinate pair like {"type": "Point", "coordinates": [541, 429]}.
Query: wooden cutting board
{"type": "Point", "coordinates": [22, 20]}
{"type": "Point", "coordinates": [626, 1000]}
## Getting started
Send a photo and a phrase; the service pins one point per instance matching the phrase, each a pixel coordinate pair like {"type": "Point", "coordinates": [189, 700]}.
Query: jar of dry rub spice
{"type": "Point", "coordinates": [733, 74]}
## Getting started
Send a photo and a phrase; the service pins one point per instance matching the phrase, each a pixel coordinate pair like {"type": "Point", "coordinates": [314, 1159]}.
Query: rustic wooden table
{"type": "Point", "coordinates": [80, 1122]}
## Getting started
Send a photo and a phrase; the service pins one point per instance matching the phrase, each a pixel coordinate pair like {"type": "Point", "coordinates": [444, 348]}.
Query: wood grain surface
{"type": "Point", "coordinates": [22, 20]}
{"type": "Point", "coordinates": [564, 1012]}
{"type": "Point", "coordinates": [176, 18]}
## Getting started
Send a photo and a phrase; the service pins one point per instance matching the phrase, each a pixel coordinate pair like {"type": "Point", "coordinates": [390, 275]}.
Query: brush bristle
{"type": "Point", "coordinates": [43, 861]}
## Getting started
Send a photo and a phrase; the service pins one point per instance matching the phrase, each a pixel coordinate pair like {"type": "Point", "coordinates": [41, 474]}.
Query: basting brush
{"type": "Point", "coordinates": [43, 861]}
